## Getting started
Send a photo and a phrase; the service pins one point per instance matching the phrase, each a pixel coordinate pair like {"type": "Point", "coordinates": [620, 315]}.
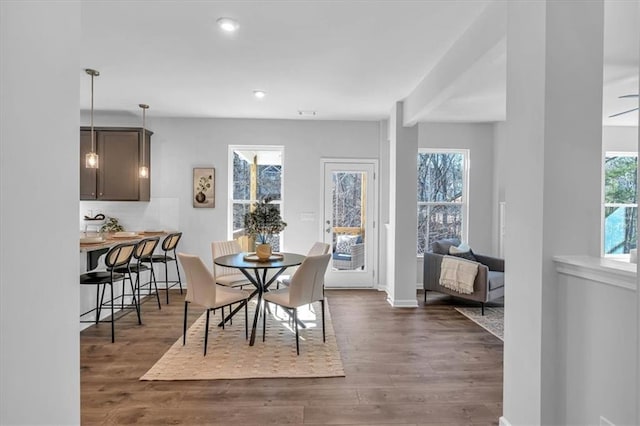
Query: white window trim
{"type": "Point", "coordinates": [465, 188]}
{"type": "Point", "coordinates": [231, 200]}
{"type": "Point", "coordinates": [604, 205]}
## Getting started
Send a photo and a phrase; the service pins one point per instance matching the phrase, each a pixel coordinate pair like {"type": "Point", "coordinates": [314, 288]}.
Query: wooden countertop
{"type": "Point", "coordinates": [110, 240]}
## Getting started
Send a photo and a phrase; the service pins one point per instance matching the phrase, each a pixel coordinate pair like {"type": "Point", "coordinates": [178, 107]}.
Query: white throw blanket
{"type": "Point", "coordinates": [458, 274]}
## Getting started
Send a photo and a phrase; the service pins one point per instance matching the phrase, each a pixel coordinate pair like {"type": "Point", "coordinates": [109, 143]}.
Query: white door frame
{"type": "Point", "coordinates": [374, 215]}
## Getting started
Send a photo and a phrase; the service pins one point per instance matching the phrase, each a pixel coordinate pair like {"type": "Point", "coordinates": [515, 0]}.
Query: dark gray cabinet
{"type": "Point", "coordinates": [120, 153]}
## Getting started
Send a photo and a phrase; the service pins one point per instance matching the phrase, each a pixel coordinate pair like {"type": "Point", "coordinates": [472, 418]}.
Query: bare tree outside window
{"type": "Point", "coordinates": [620, 203]}
{"type": "Point", "coordinates": [441, 196]}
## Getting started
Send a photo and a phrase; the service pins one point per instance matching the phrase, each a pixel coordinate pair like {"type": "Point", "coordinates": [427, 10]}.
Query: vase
{"type": "Point", "coordinates": [200, 197]}
{"type": "Point", "coordinates": [263, 251]}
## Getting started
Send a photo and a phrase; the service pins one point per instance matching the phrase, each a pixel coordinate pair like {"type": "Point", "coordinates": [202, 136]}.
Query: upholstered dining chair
{"type": "Point", "coordinates": [144, 249]}
{"type": "Point", "coordinates": [316, 249]}
{"type": "Point", "coordinates": [306, 286]}
{"type": "Point", "coordinates": [169, 245]}
{"type": "Point", "coordinates": [117, 256]}
{"type": "Point", "coordinates": [203, 290]}
{"type": "Point", "coordinates": [229, 277]}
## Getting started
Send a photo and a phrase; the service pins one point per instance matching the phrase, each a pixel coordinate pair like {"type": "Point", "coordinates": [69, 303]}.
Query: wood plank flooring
{"type": "Point", "coordinates": [424, 366]}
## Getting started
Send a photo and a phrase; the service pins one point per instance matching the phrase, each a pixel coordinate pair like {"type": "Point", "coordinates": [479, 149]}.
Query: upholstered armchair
{"type": "Point", "coordinates": [349, 252]}
{"type": "Point", "coordinates": [488, 284]}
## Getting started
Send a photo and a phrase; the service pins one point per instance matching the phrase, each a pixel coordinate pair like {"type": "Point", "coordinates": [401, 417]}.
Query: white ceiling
{"type": "Point", "coordinates": [348, 60]}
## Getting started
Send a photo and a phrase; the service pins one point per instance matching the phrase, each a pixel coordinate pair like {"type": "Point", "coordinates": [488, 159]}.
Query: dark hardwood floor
{"type": "Point", "coordinates": [424, 366]}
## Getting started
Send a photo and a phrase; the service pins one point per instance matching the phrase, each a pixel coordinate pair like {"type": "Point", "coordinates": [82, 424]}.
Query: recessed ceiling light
{"type": "Point", "coordinates": [307, 113]}
{"type": "Point", "coordinates": [259, 94]}
{"type": "Point", "coordinates": [228, 24]}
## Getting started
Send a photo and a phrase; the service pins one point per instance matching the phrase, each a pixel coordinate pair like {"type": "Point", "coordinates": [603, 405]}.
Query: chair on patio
{"type": "Point", "coordinates": [348, 253]}
{"type": "Point", "coordinates": [307, 286]}
{"type": "Point", "coordinates": [203, 290]}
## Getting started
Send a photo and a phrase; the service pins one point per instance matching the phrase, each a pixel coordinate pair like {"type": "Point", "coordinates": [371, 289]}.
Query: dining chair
{"type": "Point", "coordinates": [306, 286]}
{"type": "Point", "coordinates": [229, 277]}
{"type": "Point", "coordinates": [203, 290]}
{"type": "Point", "coordinates": [118, 256]}
{"type": "Point", "coordinates": [316, 249]}
{"type": "Point", "coordinates": [169, 245]}
{"type": "Point", "coordinates": [144, 249]}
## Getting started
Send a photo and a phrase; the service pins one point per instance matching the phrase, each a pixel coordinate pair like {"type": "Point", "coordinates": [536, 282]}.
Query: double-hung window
{"type": "Point", "coordinates": [255, 172]}
{"type": "Point", "coordinates": [442, 195]}
{"type": "Point", "coordinates": [620, 204]}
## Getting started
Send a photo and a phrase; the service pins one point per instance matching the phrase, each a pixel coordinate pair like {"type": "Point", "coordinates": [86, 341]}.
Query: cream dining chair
{"type": "Point", "coordinates": [229, 277]}
{"type": "Point", "coordinates": [306, 286]}
{"type": "Point", "coordinates": [316, 249]}
{"type": "Point", "coordinates": [203, 290]}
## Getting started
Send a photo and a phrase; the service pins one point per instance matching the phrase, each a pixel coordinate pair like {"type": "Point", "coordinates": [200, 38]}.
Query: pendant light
{"type": "Point", "coordinates": [144, 170]}
{"type": "Point", "coordinates": [91, 160]}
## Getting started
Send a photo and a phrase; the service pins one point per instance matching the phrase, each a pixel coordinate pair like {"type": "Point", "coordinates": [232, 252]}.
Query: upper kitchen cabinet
{"type": "Point", "coordinates": [120, 156]}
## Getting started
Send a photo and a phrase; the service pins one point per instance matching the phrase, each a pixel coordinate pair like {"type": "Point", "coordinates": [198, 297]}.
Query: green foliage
{"type": "Point", "coordinates": [264, 221]}
{"type": "Point", "coordinates": [111, 225]}
{"type": "Point", "coordinates": [620, 177]}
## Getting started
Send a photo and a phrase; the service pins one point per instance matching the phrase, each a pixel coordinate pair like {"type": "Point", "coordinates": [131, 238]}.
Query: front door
{"type": "Point", "coordinates": [349, 222]}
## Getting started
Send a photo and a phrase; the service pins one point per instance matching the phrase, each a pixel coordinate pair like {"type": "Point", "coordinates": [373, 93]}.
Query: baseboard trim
{"type": "Point", "coordinates": [504, 421]}
{"type": "Point", "coordinates": [409, 303]}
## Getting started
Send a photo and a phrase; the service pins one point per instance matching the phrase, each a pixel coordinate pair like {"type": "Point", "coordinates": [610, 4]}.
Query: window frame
{"type": "Point", "coordinates": [604, 205]}
{"type": "Point", "coordinates": [466, 154]}
{"type": "Point", "coordinates": [230, 185]}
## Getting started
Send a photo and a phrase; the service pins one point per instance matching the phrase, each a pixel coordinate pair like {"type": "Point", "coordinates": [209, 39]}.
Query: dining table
{"type": "Point", "coordinates": [256, 271]}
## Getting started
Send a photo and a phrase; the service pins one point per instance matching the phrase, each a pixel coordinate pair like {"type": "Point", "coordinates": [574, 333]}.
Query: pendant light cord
{"type": "Point", "coordinates": [92, 132]}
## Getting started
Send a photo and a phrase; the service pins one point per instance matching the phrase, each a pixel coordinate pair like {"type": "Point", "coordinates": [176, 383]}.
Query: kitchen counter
{"type": "Point", "coordinates": [95, 250]}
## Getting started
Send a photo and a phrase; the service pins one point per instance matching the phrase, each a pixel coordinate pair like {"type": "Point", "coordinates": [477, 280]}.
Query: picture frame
{"type": "Point", "coordinates": [204, 184]}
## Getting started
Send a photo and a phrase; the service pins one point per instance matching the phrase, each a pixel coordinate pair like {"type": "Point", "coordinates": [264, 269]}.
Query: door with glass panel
{"type": "Point", "coordinates": [349, 222]}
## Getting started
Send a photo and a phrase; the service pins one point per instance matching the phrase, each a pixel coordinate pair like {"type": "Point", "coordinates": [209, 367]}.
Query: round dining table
{"type": "Point", "coordinates": [256, 272]}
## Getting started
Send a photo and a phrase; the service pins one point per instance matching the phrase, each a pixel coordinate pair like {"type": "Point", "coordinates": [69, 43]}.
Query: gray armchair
{"type": "Point", "coordinates": [488, 285]}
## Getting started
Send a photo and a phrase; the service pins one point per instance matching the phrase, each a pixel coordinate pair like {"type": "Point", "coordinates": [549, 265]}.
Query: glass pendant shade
{"type": "Point", "coordinates": [91, 160]}
{"type": "Point", "coordinates": [144, 172]}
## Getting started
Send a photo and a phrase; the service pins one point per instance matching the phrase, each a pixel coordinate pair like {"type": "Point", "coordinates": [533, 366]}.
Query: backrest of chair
{"type": "Point", "coordinates": [201, 283]}
{"type": "Point", "coordinates": [442, 246]}
{"type": "Point", "coordinates": [146, 247]}
{"type": "Point", "coordinates": [319, 248]}
{"type": "Point", "coordinates": [223, 248]}
{"type": "Point", "coordinates": [119, 255]}
{"type": "Point", "coordinates": [171, 241]}
{"type": "Point", "coordinates": [308, 281]}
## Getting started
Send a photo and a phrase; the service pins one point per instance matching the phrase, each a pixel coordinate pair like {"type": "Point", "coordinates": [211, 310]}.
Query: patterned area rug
{"type": "Point", "coordinates": [229, 355]}
{"type": "Point", "coordinates": [492, 321]}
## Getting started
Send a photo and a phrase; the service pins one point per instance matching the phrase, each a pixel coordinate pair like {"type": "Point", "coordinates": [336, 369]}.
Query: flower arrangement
{"type": "Point", "coordinates": [112, 225]}
{"type": "Point", "coordinates": [264, 221]}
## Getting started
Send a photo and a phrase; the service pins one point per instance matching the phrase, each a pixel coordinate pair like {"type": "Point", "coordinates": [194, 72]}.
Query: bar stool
{"type": "Point", "coordinates": [118, 256]}
{"type": "Point", "coordinates": [144, 248]}
{"type": "Point", "coordinates": [169, 244]}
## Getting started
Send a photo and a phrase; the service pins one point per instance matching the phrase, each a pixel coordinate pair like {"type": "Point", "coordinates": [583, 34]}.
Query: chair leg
{"type": "Point", "coordinates": [136, 303]}
{"type": "Point", "coordinates": [425, 296]}
{"type": "Point", "coordinates": [264, 324]}
{"type": "Point", "coordinates": [222, 313]}
{"type": "Point", "coordinates": [482, 308]}
{"type": "Point", "coordinates": [324, 337]}
{"type": "Point", "coordinates": [104, 288]}
{"type": "Point", "coordinates": [206, 333]}
{"type": "Point", "coordinates": [246, 320]}
{"type": "Point", "coordinates": [184, 327]}
{"type": "Point", "coordinates": [98, 304]}
{"type": "Point", "coordinates": [113, 327]}
{"type": "Point", "coordinates": [166, 281]}
{"type": "Point", "coordinates": [295, 321]}
{"type": "Point", "coordinates": [178, 272]}
{"type": "Point", "coordinates": [155, 285]}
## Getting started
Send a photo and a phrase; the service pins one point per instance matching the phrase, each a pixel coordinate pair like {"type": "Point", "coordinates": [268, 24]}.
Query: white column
{"type": "Point", "coordinates": [39, 152]}
{"type": "Point", "coordinates": [402, 238]}
{"type": "Point", "coordinates": [554, 119]}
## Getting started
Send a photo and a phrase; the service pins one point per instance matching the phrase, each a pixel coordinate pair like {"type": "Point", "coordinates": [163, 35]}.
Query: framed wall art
{"type": "Point", "coordinates": [204, 183]}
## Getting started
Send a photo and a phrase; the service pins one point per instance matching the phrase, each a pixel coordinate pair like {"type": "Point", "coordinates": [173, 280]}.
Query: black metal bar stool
{"type": "Point", "coordinates": [169, 245]}
{"type": "Point", "coordinates": [118, 256]}
{"type": "Point", "coordinates": [144, 248]}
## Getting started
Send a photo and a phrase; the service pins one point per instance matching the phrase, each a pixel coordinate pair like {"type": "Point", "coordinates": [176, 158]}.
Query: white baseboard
{"type": "Point", "coordinates": [504, 421]}
{"type": "Point", "coordinates": [409, 303]}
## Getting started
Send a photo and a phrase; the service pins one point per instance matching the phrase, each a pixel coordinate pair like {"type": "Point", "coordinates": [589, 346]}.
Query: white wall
{"type": "Point", "coordinates": [179, 144]}
{"type": "Point", "coordinates": [39, 150]}
{"type": "Point", "coordinates": [478, 139]}
{"type": "Point", "coordinates": [596, 361]}
{"type": "Point", "coordinates": [499, 180]}
{"type": "Point", "coordinates": [620, 138]}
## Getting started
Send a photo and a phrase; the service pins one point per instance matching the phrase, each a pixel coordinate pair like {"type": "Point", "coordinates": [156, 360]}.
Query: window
{"type": "Point", "coordinates": [255, 172]}
{"type": "Point", "coordinates": [620, 210]}
{"type": "Point", "coordinates": [442, 196]}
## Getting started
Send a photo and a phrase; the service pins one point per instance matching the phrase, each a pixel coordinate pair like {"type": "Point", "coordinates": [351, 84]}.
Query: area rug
{"type": "Point", "coordinates": [229, 355]}
{"type": "Point", "coordinates": [492, 321]}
